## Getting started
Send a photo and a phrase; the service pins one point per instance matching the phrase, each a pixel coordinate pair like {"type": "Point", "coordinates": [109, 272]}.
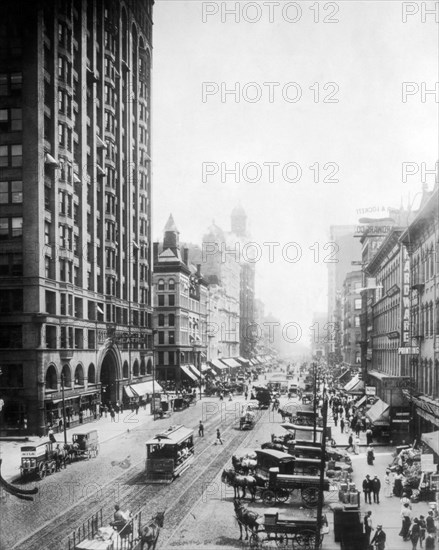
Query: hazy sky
{"type": "Point", "coordinates": [362, 140]}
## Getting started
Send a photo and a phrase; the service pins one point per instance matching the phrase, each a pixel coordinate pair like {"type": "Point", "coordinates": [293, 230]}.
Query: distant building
{"type": "Point", "coordinates": [343, 249]}
{"type": "Point", "coordinates": [319, 334]}
{"type": "Point", "coordinates": [351, 310]}
{"type": "Point", "coordinates": [180, 312]}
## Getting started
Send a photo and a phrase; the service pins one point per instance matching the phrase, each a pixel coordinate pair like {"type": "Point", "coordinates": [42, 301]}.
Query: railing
{"type": "Point", "coordinates": [87, 530]}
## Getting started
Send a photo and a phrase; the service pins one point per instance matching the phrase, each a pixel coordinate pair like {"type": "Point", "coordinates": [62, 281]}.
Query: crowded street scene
{"type": "Point", "coordinates": [219, 275]}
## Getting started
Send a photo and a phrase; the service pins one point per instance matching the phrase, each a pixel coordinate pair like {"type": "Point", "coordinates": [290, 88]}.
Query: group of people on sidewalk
{"type": "Point", "coordinates": [419, 529]}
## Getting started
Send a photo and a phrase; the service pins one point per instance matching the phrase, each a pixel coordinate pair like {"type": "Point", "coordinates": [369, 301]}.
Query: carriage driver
{"type": "Point", "coordinates": [121, 519]}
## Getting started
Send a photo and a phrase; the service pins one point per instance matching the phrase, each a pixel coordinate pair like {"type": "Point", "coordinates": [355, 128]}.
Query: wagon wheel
{"type": "Point", "coordinates": [42, 472]}
{"type": "Point", "coordinates": [305, 539]}
{"type": "Point", "coordinates": [257, 539]}
{"type": "Point", "coordinates": [282, 495]}
{"type": "Point", "coordinates": [310, 497]}
{"type": "Point", "coordinates": [268, 497]}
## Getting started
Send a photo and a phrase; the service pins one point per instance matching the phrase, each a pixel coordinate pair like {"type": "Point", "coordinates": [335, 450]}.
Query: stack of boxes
{"type": "Point", "coordinates": [348, 493]}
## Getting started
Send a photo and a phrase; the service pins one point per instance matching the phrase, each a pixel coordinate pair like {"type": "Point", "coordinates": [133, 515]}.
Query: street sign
{"type": "Point", "coordinates": [427, 463]}
{"type": "Point", "coordinates": [408, 351]}
{"type": "Point", "coordinates": [371, 390]}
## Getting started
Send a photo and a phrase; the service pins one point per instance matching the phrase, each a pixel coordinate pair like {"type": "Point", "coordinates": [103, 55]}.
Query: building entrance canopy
{"type": "Point", "coordinates": [378, 414]}
{"type": "Point", "coordinates": [432, 440]}
{"type": "Point", "coordinates": [187, 371]}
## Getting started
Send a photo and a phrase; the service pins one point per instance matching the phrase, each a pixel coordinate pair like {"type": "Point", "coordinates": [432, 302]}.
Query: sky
{"type": "Point", "coordinates": [324, 144]}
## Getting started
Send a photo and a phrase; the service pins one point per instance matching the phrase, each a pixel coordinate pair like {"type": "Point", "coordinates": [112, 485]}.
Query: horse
{"type": "Point", "coordinates": [243, 465]}
{"type": "Point", "coordinates": [237, 481]}
{"type": "Point", "coordinates": [275, 446]}
{"type": "Point", "coordinates": [149, 533]}
{"type": "Point", "coordinates": [246, 518]}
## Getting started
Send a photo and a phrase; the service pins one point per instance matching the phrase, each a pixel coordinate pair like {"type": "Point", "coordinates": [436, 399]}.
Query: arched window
{"type": "Point", "coordinates": [66, 374]}
{"type": "Point", "coordinates": [149, 367]}
{"type": "Point", "coordinates": [171, 319]}
{"type": "Point", "coordinates": [91, 374]}
{"type": "Point", "coordinates": [125, 370]}
{"type": "Point", "coordinates": [161, 285]}
{"type": "Point", "coordinates": [79, 375]}
{"type": "Point", "coordinates": [51, 378]}
{"type": "Point", "coordinates": [171, 284]}
{"type": "Point", "coordinates": [161, 320]}
{"type": "Point", "coordinates": [136, 368]}
{"type": "Point", "coordinates": [142, 367]}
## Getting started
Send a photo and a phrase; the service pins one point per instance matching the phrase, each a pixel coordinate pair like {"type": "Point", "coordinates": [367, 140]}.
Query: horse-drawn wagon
{"type": "Point", "coordinates": [247, 421]}
{"type": "Point", "coordinates": [38, 459]}
{"type": "Point", "coordinates": [297, 533]}
{"type": "Point", "coordinates": [85, 445]}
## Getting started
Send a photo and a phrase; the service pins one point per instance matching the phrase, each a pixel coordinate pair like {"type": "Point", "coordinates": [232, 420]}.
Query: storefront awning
{"type": "Point", "coordinates": [378, 414]}
{"type": "Point", "coordinates": [361, 401]}
{"type": "Point", "coordinates": [195, 371]}
{"type": "Point", "coordinates": [144, 388]}
{"type": "Point", "coordinates": [354, 385]}
{"type": "Point", "coordinates": [129, 392]}
{"type": "Point", "coordinates": [216, 364]}
{"type": "Point", "coordinates": [432, 440]}
{"type": "Point", "coordinates": [189, 373]}
{"type": "Point", "coordinates": [230, 362]}
{"type": "Point", "coordinates": [243, 361]}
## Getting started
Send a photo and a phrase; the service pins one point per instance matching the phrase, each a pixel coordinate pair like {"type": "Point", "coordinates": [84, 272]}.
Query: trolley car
{"type": "Point", "coordinates": [169, 454]}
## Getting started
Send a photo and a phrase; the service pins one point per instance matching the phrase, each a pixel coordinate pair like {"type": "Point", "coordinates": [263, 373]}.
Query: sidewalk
{"type": "Point", "coordinates": [126, 421]}
{"type": "Point", "coordinates": [387, 513]}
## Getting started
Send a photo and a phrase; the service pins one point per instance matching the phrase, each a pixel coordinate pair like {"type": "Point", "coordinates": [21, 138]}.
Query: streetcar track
{"type": "Point", "coordinates": [52, 533]}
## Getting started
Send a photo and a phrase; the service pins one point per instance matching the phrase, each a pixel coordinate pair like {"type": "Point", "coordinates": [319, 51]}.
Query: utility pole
{"type": "Point", "coordinates": [322, 473]}
{"type": "Point", "coordinates": [63, 409]}
{"type": "Point", "coordinates": [315, 402]}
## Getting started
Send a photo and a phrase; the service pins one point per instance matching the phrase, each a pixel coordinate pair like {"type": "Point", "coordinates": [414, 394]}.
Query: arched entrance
{"type": "Point", "coordinates": [108, 378]}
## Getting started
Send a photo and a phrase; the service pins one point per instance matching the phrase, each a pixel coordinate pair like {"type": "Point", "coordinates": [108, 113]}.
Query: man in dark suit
{"type": "Point", "coordinates": [379, 539]}
{"type": "Point", "coordinates": [367, 489]}
{"type": "Point", "coordinates": [376, 486]}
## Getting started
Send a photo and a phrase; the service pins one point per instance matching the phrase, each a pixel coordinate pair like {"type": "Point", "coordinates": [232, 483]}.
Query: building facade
{"type": "Point", "coordinates": [351, 309]}
{"type": "Point", "coordinates": [180, 312]}
{"type": "Point", "coordinates": [75, 269]}
{"type": "Point", "coordinates": [422, 241]}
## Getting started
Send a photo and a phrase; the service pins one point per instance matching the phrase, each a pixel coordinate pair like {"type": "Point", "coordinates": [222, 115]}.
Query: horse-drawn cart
{"type": "Point", "coordinates": [85, 445]}
{"type": "Point", "coordinates": [297, 533]}
{"type": "Point", "coordinates": [247, 421]}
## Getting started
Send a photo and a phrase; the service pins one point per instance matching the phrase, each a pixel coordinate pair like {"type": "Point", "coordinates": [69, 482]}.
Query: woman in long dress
{"type": "Point", "coordinates": [406, 522]}
{"type": "Point", "coordinates": [357, 445]}
{"type": "Point", "coordinates": [397, 485]}
{"type": "Point", "coordinates": [388, 489]}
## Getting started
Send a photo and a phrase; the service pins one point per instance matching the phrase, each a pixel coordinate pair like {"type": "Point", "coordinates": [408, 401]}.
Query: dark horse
{"type": "Point", "coordinates": [149, 533]}
{"type": "Point", "coordinates": [246, 518]}
{"type": "Point", "coordinates": [237, 481]}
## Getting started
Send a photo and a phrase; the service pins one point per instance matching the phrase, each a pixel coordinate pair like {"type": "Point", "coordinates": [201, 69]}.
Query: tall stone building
{"type": "Point", "coordinates": [75, 203]}
{"type": "Point", "coordinates": [342, 249]}
{"type": "Point", "coordinates": [351, 310]}
{"type": "Point", "coordinates": [180, 311]}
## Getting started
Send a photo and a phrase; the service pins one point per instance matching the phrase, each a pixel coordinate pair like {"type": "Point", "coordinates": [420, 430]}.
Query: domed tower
{"type": "Point", "coordinates": [172, 236]}
{"type": "Point", "coordinates": [239, 221]}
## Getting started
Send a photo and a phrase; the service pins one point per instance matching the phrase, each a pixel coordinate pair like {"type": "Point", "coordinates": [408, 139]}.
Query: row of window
{"type": "Point", "coordinates": [11, 120]}
{"type": "Point", "coordinates": [161, 284]}
{"type": "Point", "coordinates": [11, 228]}
{"type": "Point", "coordinates": [11, 192]}
{"type": "Point", "coordinates": [161, 300]}
{"type": "Point", "coordinates": [11, 156]}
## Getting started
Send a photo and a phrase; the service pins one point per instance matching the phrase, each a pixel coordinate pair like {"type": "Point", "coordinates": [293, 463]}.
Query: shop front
{"type": "Point", "coordinates": [379, 417]}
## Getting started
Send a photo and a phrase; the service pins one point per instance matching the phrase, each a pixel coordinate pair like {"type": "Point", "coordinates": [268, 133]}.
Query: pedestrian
{"type": "Point", "coordinates": [112, 414]}
{"type": "Point", "coordinates": [370, 455]}
{"type": "Point", "coordinates": [350, 446]}
{"type": "Point", "coordinates": [376, 486]}
{"type": "Point", "coordinates": [357, 428]}
{"type": "Point", "coordinates": [405, 500]}
{"type": "Point", "coordinates": [246, 395]}
{"type": "Point", "coordinates": [429, 542]}
{"type": "Point", "coordinates": [51, 435]}
{"type": "Point", "coordinates": [201, 429]}
{"type": "Point", "coordinates": [367, 489]}
{"type": "Point", "coordinates": [429, 522]}
{"type": "Point", "coordinates": [406, 522]}
{"type": "Point", "coordinates": [218, 437]}
{"type": "Point", "coordinates": [397, 485]}
{"type": "Point", "coordinates": [369, 435]}
{"type": "Point", "coordinates": [221, 396]}
{"type": "Point", "coordinates": [105, 410]}
{"type": "Point", "coordinates": [422, 529]}
{"type": "Point", "coordinates": [335, 419]}
{"type": "Point", "coordinates": [379, 539]}
{"type": "Point", "coordinates": [414, 533]}
{"type": "Point", "coordinates": [342, 425]}
{"type": "Point", "coordinates": [387, 485]}
{"type": "Point", "coordinates": [357, 445]}
{"type": "Point", "coordinates": [367, 522]}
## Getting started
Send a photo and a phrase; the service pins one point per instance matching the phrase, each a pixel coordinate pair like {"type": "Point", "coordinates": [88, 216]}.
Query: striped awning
{"type": "Point", "coordinates": [187, 371]}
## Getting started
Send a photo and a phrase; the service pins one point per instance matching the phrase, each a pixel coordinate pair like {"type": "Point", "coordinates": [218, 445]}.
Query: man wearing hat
{"type": "Point", "coordinates": [379, 539]}
{"type": "Point", "coordinates": [367, 489]}
{"type": "Point", "coordinates": [376, 487]}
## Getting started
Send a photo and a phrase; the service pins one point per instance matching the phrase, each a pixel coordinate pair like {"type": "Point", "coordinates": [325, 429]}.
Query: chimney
{"type": "Point", "coordinates": [155, 254]}
{"type": "Point", "coordinates": [186, 255]}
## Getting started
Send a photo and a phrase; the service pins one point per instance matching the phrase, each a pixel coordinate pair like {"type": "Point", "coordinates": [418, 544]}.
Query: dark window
{"type": "Point", "coordinates": [11, 337]}
{"type": "Point", "coordinates": [161, 320]}
{"type": "Point", "coordinates": [171, 337]}
{"type": "Point", "coordinates": [171, 300]}
{"type": "Point", "coordinates": [11, 376]}
{"type": "Point", "coordinates": [171, 320]}
{"type": "Point", "coordinates": [161, 335]}
{"type": "Point", "coordinates": [11, 300]}
{"type": "Point", "coordinates": [161, 299]}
